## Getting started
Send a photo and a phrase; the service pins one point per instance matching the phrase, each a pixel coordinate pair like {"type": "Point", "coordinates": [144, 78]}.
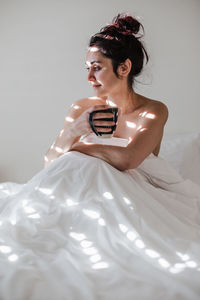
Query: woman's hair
{"type": "Point", "coordinates": [119, 41]}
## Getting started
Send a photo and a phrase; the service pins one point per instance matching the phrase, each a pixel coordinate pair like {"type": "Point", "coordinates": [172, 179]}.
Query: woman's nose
{"type": "Point", "coordinates": [91, 76]}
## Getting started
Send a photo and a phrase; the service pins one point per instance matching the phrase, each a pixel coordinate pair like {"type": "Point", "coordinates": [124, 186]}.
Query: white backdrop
{"type": "Point", "coordinates": [42, 56]}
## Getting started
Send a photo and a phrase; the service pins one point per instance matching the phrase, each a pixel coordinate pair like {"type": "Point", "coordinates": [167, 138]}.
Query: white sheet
{"type": "Point", "coordinates": [80, 229]}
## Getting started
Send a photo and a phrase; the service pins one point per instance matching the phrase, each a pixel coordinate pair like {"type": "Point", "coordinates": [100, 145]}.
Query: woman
{"type": "Point", "coordinates": [115, 57]}
{"type": "Point", "coordinates": [81, 228]}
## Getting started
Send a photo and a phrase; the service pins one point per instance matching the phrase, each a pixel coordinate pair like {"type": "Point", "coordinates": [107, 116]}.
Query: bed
{"type": "Point", "coordinates": [80, 229]}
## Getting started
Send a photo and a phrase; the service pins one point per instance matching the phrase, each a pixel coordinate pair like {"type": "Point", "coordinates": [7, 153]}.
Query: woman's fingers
{"type": "Point", "coordinates": [103, 123]}
{"type": "Point", "coordinates": [102, 129]}
{"type": "Point", "coordinates": [102, 115]}
{"type": "Point", "coordinates": [98, 107]}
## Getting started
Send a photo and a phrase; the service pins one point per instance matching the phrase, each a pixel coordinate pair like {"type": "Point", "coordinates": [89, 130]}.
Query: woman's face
{"type": "Point", "coordinates": [100, 73]}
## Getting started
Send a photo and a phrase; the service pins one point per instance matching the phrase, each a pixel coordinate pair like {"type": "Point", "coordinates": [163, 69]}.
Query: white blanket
{"type": "Point", "coordinates": [82, 230]}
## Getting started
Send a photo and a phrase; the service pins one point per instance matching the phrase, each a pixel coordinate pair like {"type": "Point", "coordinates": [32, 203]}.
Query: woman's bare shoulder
{"type": "Point", "coordinates": [155, 107]}
{"type": "Point", "coordinates": [89, 101]}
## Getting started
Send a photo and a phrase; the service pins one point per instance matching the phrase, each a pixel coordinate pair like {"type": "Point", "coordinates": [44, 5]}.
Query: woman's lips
{"type": "Point", "coordinates": [96, 85]}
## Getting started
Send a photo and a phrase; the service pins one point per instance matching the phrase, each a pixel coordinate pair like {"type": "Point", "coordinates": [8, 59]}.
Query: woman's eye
{"type": "Point", "coordinates": [97, 68]}
{"type": "Point", "coordinates": [94, 68]}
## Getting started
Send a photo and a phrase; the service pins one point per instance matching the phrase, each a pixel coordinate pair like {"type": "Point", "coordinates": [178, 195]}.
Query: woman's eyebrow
{"type": "Point", "coordinates": [93, 62]}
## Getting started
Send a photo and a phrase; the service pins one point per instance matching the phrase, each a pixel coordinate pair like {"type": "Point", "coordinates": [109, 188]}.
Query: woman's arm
{"type": "Point", "coordinates": [114, 155]}
{"type": "Point", "coordinates": [76, 125]}
{"type": "Point", "coordinates": [149, 133]}
{"type": "Point", "coordinates": [67, 136]}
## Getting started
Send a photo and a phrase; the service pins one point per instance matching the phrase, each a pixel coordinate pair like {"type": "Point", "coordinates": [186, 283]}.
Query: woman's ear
{"type": "Point", "coordinates": [125, 68]}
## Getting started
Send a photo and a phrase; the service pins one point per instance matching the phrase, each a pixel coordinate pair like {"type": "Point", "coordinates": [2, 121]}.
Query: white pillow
{"type": "Point", "coordinates": [190, 163]}
{"type": "Point", "coordinates": [173, 147]}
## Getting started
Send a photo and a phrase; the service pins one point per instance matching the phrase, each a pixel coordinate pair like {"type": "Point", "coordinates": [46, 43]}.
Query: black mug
{"type": "Point", "coordinates": [113, 110]}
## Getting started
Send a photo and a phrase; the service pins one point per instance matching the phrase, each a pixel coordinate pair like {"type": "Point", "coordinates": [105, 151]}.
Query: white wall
{"type": "Point", "coordinates": [42, 55]}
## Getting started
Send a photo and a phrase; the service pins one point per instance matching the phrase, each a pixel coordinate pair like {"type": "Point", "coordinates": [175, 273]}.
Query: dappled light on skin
{"type": "Point", "coordinates": [139, 127]}
{"type": "Point", "coordinates": [86, 143]}
{"type": "Point", "coordinates": [143, 114]}
{"type": "Point", "coordinates": [150, 116]}
{"type": "Point", "coordinates": [75, 106]}
{"type": "Point", "coordinates": [131, 124]}
{"type": "Point", "coordinates": [147, 115]}
{"type": "Point", "coordinates": [69, 119]}
{"type": "Point", "coordinates": [143, 129]}
{"type": "Point", "coordinates": [52, 146]}
{"type": "Point", "coordinates": [59, 150]}
{"type": "Point", "coordinates": [109, 102]}
{"type": "Point", "coordinates": [93, 49]}
{"type": "Point", "coordinates": [61, 133]}
{"type": "Point", "coordinates": [130, 139]}
{"type": "Point", "coordinates": [93, 98]}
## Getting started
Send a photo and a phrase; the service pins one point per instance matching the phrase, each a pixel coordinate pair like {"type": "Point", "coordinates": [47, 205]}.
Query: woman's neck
{"type": "Point", "coordinates": [125, 101]}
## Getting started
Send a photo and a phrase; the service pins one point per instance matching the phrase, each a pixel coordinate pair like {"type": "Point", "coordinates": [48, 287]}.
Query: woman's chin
{"type": "Point", "coordinates": [100, 93]}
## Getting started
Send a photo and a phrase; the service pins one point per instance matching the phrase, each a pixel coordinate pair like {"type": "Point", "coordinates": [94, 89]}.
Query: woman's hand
{"type": "Point", "coordinates": [78, 146]}
{"type": "Point", "coordinates": [81, 126]}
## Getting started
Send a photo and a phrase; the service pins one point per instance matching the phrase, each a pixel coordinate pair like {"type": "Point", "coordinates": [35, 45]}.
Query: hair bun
{"type": "Point", "coordinates": [123, 25]}
{"type": "Point", "coordinates": [126, 24]}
